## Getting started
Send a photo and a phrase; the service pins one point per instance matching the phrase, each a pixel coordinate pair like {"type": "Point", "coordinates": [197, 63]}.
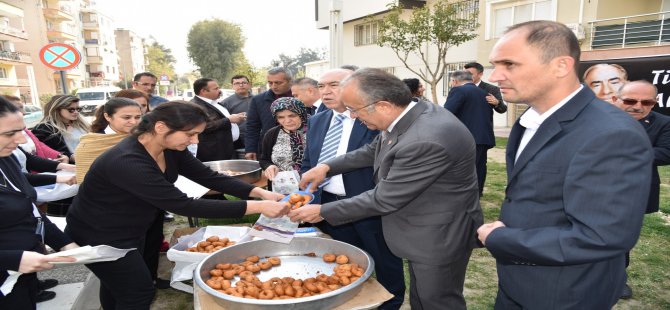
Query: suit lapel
{"type": "Point", "coordinates": [320, 132]}
{"type": "Point", "coordinates": [513, 145]}
{"type": "Point", "coordinates": [208, 107]}
{"type": "Point", "coordinates": [400, 128]}
{"type": "Point", "coordinates": [357, 135]}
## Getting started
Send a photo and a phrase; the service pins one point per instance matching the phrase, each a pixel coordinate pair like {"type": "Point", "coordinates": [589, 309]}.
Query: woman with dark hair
{"type": "Point", "coordinates": [141, 98]}
{"type": "Point", "coordinates": [131, 182]}
{"type": "Point", "coordinates": [118, 115]}
{"type": "Point", "coordinates": [62, 125]}
{"type": "Point", "coordinates": [23, 229]}
{"type": "Point", "coordinates": [416, 88]}
{"type": "Point", "coordinates": [284, 145]}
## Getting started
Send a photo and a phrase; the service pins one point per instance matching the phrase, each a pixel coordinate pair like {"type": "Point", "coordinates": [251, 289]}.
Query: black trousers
{"type": "Point", "coordinates": [367, 234]}
{"type": "Point", "coordinates": [23, 295]}
{"type": "Point", "coordinates": [152, 244]}
{"type": "Point", "coordinates": [124, 283]}
{"type": "Point", "coordinates": [438, 286]}
{"type": "Point", "coordinates": [480, 162]}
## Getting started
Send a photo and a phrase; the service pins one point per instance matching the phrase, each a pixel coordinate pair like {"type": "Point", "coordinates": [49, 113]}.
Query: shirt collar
{"type": "Point", "coordinates": [532, 119]}
{"type": "Point", "coordinates": [409, 107]}
{"type": "Point", "coordinates": [109, 130]}
{"type": "Point", "coordinates": [210, 101]}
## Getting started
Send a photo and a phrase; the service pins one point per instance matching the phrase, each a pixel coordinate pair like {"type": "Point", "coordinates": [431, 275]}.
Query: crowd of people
{"type": "Point", "coordinates": [392, 173]}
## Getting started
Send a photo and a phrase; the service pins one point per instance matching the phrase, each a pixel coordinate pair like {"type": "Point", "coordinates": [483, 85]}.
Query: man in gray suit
{"type": "Point", "coordinates": [578, 175]}
{"type": "Point", "coordinates": [426, 187]}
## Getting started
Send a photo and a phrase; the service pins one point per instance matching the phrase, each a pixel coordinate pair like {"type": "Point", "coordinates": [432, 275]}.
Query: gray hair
{"type": "Point", "coordinates": [462, 75]}
{"type": "Point", "coordinates": [277, 70]}
{"type": "Point", "coordinates": [377, 85]}
{"type": "Point", "coordinates": [306, 82]}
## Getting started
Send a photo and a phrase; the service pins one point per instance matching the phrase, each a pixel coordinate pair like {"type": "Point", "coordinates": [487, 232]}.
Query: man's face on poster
{"type": "Point", "coordinates": [605, 80]}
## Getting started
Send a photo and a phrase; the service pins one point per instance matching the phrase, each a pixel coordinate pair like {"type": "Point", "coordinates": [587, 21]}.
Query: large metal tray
{"type": "Point", "coordinates": [294, 264]}
{"type": "Point", "coordinates": [251, 169]}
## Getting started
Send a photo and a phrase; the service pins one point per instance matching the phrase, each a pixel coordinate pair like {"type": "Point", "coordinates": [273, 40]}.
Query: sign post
{"type": "Point", "coordinates": [60, 57]}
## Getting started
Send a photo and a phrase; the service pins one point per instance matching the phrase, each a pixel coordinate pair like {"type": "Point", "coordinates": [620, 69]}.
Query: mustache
{"type": "Point", "coordinates": [634, 110]}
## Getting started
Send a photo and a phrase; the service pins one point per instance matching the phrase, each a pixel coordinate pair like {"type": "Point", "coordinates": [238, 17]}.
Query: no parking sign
{"type": "Point", "coordinates": [59, 56]}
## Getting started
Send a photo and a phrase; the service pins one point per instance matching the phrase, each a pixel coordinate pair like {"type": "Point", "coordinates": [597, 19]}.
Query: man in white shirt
{"type": "Point", "coordinates": [578, 173]}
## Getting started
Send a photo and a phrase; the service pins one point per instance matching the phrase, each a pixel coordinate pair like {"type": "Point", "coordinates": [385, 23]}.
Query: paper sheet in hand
{"type": "Point", "coordinates": [279, 229]}
{"type": "Point", "coordinates": [88, 254]}
{"type": "Point", "coordinates": [58, 191]}
{"type": "Point", "coordinates": [190, 188]}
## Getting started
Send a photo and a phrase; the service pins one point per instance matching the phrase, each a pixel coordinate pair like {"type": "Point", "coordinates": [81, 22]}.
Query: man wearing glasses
{"type": "Point", "coordinates": [239, 103]}
{"type": "Point", "coordinates": [637, 98]}
{"type": "Point", "coordinates": [146, 82]}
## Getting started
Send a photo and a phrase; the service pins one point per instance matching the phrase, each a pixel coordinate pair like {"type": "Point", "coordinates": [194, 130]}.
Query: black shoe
{"type": "Point", "coordinates": [168, 217]}
{"type": "Point", "coordinates": [45, 295]}
{"type": "Point", "coordinates": [162, 284]}
{"type": "Point", "coordinates": [627, 292]}
{"type": "Point", "coordinates": [47, 284]}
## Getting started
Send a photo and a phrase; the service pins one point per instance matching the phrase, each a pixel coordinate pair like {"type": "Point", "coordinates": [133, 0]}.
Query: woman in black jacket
{"type": "Point", "coordinates": [62, 125]}
{"type": "Point", "coordinates": [23, 230]}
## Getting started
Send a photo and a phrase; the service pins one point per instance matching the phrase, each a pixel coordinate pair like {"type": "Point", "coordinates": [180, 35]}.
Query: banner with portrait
{"type": "Point", "coordinates": [605, 76]}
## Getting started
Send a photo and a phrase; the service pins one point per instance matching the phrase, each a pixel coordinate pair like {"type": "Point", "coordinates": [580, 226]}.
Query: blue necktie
{"type": "Point", "coordinates": [331, 143]}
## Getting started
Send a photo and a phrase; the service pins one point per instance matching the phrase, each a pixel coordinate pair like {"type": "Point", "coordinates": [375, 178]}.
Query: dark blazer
{"type": "Point", "coordinates": [658, 129]}
{"type": "Point", "coordinates": [259, 120]}
{"type": "Point", "coordinates": [573, 207]}
{"type": "Point", "coordinates": [426, 188]}
{"type": "Point", "coordinates": [495, 91]}
{"type": "Point", "coordinates": [216, 142]}
{"type": "Point", "coordinates": [468, 103]}
{"type": "Point", "coordinates": [17, 223]}
{"type": "Point", "coordinates": [355, 182]}
{"type": "Point", "coordinates": [51, 137]}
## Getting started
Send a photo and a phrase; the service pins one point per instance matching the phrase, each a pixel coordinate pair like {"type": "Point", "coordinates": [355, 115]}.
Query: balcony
{"type": "Point", "coordinates": [631, 31]}
{"type": "Point", "coordinates": [57, 14]}
{"type": "Point", "coordinates": [20, 57]}
{"type": "Point", "coordinates": [94, 59]}
{"type": "Point", "coordinates": [91, 41]}
{"type": "Point", "coordinates": [14, 32]}
{"type": "Point", "coordinates": [58, 34]}
{"type": "Point", "coordinates": [91, 25]}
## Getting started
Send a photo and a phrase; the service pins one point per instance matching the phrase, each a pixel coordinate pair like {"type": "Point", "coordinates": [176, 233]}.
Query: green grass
{"type": "Point", "coordinates": [649, 272]}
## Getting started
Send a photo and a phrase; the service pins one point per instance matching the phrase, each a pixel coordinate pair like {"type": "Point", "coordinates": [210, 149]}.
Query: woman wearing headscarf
{"type": "Point", "coordinates": [284, 145]}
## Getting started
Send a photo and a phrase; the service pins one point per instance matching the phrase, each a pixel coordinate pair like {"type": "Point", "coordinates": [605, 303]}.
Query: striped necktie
{"type": "Point", "coordinates": [332, 141]}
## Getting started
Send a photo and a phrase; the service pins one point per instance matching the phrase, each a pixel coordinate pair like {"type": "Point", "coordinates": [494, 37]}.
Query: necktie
{"type": "Point", "coordinates": [312, 110]}
{"type": "Point", "coordinates": [331, 143]}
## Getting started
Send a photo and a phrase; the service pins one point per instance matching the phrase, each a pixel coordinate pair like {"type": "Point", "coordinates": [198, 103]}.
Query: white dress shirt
{"type": "Point", "coordinates": [336, 185]}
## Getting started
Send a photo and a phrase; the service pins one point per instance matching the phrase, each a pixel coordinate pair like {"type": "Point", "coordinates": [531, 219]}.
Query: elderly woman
{"type": "Point", "coordinates": [23, 229]}
{"type": "Point", "coordinates": [62, 125]}
{"type": "Point", "coordinates": [284, 145]}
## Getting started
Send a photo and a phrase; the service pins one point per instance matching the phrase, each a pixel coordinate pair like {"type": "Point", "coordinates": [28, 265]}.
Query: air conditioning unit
{"type": "Point", "coordinates": [577, 29]}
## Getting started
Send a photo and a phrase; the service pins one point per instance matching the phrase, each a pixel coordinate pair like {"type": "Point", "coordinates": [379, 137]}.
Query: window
{"type": "Point", "coordinates": [465, 9]}
{"type": "Point", "coordinates": [505, 15]}
{"type": "Point", "coordinates": [451, 67]}
{"type": "Point", "coordinates": [3, 73]}
{"type": "Point", "coordinates": [366, 34]}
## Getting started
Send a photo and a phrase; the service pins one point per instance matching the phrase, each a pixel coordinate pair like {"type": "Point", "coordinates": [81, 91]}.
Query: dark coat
{"type": "Point", "coordinates": [468, 103]}
{"type": "Point", "coordinates": [495, 91]}
{"type": "Point", "coordinates": [216, 142]}
{"type": "Point", "coordinates": [51, 137]}
{"type": "Point", "coordinates": [658, 129]}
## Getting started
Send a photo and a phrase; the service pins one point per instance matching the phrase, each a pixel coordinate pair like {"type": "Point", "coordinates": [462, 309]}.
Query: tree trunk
{"type": "Point", "coordinates": [433, 91]}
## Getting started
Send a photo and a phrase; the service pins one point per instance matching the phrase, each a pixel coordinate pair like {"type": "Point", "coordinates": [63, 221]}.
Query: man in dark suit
{"type": "Point", "coordinates": [426, 188]}
{"type": "Point", "coordinates": [637, 98]}
{"type": "Point", "coordinates": [216, 142]}
{"type": "Point", "coordinates": [365, 233]}
{"type": "Point", "coordinates": [468, 103]}
{"type": "Point", "coordinates": [305, 89]}
{"type": "Point", "coordinates": [578, 172]}
{"type": "Point", "coordinates": [493, 96]}
{"type": "Point", "coordinates": [259, 117]}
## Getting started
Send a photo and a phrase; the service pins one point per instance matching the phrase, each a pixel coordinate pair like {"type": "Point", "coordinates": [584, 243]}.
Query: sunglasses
{"type": "Point", "coordinates": [646, 103]}
{"type": "Point", "coordinates": [72, 110]}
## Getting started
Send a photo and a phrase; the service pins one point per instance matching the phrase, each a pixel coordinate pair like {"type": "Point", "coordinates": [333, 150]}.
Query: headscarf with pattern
{"type": "Point", "coordinates": [297, 137]}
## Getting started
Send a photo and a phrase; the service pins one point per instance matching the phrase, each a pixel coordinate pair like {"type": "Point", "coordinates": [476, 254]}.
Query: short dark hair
{"type": "Point", "coordinates": [305, 81]}
{"type": "Point", "coordinates": [376, 85]}
{"type": "Point", "coordinates": [475, 65]}
{"type": "Point", "coordinates": [132, 94]}
{"type": "Point", "coordinates": [349, 67]}
{"type": "Point", "coordinates": [199, 84]}
{"type": "Point", "coordinates": [110, 107]}
{"type": "Point", "coordinates": [413, 85]}
{"type": "Point", "coordinates": [141, 74]}
{"type": "Point", "coordinates": [553, 39]}
{"type": "Point", "coordinates": [236, 77]}
{"type": "Point", "coordinates": [7, 107]}
{"type": "Point", "coordinates": [177, 115]}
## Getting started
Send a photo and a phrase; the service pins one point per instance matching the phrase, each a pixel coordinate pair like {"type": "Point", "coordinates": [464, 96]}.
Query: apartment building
{"type": "Point", "coordinates": [102, 63]}
{"type": "Point", "coordinates": [607, 29]}
{"type": "Point", "coordinates": [130, 48]}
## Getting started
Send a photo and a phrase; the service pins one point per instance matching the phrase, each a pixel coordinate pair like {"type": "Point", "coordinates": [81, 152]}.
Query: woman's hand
{"type": "Point", "coordinates": [268, 208]}
{"type": "Point", "coordinates": [66, 179]}
{"type": "Point", "coordinates": [66, 167]}
{"type": "Point", "coordinates": [62, 158]}
{"type": "Point", "coordinates": [265, 194]}
{"type": "Point", "coordinates": [33, 261]}
{"type": "Point", "coordinates": [271, 172]}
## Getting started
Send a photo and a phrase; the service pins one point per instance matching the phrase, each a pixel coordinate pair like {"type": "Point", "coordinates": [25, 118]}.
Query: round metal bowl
{"type": "Point", "coordinates": [250, 170]}
{"type": "Point", "coordinates": [294, 264]}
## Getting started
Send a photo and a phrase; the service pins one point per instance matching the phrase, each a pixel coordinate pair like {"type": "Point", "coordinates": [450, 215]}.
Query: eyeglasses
{"type": "Point", "coordinates": [147, 84]}
{"type": "Point", "coordinates": [72, 110]}
{"type": "Point", "coordinates": [646, 103]}
{"type": "Point", "coordinates": [240, 83]}
{"type": "Point", "coordinates": [356, 110]}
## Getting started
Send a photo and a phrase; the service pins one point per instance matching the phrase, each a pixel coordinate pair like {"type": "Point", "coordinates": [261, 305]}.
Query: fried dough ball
{"type": "Point", "coordinates": [213, 239]}
{"type": "Point", "coordinates": [329, 257]}
{"type": "Point", "coordinates": [266, 294]}
{"type": "Point", "coordinates": [275, 261]}
{"type": "Point", "coordinates": [342, 259]}
{"type": "Point", "coordinates": [254, 259]}
{"type": "Point", "coordinates": [265, 265]}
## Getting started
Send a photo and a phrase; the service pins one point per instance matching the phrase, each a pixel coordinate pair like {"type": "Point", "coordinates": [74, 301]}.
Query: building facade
{"type": "Point", "coordinates": [130, 48]}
